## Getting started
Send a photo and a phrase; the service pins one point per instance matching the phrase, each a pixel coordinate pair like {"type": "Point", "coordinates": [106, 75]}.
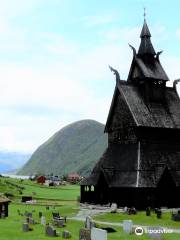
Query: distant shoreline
{"type": "Point", "coordinates": [14, 176]}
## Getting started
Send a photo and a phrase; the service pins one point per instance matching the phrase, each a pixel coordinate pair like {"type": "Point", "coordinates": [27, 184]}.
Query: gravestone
{"type": "Point", "coordinates": [155, 233]}
{"type": "Point", "coordinates": [128, 226]}
{"type": "Point", "coordinates": [176, 217]}
{"type": "Point", "coordinates": [43, 220]}
{"type": "Point", "coordinates": [66, 234]}
{"type": "Point", "coordinates": [148, 211]}
{"type": "Point", "coordinates": [40, 214]}
{"type": "Point", "coordinates": [60, 223]}
{"type": "Point", "coordinates": [159, 213]}
{"type": "Point", "coordinates": [50, 231]}
{"type": "Point", "coordinates": [114, 208]}
{"type": "Point", "coordinates": [32, 221]}
{"type": "Point", "coordinates": [89, 223]}
{"type": "Point", "coordinates": [25, 227]}
{"type": "Point", "coordinates": [98, 234]}
{"type": "Point", "coordinates": [84, 234]}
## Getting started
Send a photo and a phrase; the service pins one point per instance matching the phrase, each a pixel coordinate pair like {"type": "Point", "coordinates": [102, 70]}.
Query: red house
{"type": "Point", "coordinates": [41, 179]}
{"type": "Point", "coordinates": [73, 178]}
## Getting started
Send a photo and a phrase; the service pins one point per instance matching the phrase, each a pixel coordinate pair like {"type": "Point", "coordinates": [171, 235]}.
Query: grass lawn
{"type": "Point", "coordinates": [141, 219]}
{"type": "Point", "coordinates": [11, 227]}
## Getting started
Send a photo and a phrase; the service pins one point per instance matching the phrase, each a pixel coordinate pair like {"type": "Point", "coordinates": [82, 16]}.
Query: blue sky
{"type": "Point", "coordinates": [54, 57]}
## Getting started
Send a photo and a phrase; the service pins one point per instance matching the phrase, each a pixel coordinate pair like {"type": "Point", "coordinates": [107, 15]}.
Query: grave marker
{"type": "Point", "coordinates": [84, 234]}
{"type": "Point", "coordinates": [98, 234]}
{"type": "Point", "coordinates": [127, 226]}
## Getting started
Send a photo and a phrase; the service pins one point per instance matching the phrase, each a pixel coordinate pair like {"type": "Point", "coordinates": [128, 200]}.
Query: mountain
{"type": "Point", "coordinates": [12, 160]}
{"type": "Point", "coordinates": [75, 148]}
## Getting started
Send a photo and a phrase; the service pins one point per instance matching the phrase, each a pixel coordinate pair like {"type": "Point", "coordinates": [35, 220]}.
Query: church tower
{"type": "Point", "coordinates": [141, 166]}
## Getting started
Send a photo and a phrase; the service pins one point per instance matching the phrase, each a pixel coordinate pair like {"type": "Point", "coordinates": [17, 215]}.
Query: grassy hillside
{"type": "Point", "coordinates": [75, 148]}
{"type": "Point", "coordinates": [16, 188]}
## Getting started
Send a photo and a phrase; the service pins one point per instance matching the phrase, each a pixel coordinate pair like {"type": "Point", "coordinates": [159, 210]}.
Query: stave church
{"type": "Point", "coordinates": [141, 165]}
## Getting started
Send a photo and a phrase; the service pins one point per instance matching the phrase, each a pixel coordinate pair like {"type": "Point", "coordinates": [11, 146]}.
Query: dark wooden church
{"type": "Point", "coordinates": [141, 166]}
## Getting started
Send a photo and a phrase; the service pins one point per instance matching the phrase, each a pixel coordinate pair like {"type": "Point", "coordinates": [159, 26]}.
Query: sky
{"type": "Point", "coordinates": [54, 57]}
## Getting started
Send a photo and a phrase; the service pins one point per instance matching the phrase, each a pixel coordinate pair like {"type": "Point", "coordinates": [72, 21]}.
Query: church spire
{"type": "Point", "coordinates": [146, 46]}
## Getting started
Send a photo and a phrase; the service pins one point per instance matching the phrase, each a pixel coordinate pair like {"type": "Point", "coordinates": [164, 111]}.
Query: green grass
{"type": "Point", "coordinates": [60, 193]}
{"type": "Point", "coordinates": [11, 227]}
{"type": "Point", "coordinates": [141, 219]}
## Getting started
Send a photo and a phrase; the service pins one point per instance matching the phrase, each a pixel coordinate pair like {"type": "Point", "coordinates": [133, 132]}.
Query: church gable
{"type": "Point", "coordinates": [120, 121]}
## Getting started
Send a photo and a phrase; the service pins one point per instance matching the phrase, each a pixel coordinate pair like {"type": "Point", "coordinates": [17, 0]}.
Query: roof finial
{"type": "Point", "coordinates": [144, 14]}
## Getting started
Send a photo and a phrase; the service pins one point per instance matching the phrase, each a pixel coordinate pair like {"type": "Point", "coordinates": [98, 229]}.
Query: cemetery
{"type": "Point", "coordinates": [63, 217]}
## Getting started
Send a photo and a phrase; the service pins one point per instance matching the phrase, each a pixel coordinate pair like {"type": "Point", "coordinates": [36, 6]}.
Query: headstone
{"type": "Point", "coordinates": [66, 234]}
{"type": "Point", "coordinates": [84, 234]}
{"type": "Point", "coordinates": [155, 232]}
{"type": "Point", "coordinates": [113, 208]}
{"type": "Point", "coordinates": [43, 220]}
{"type": "Point", "coordinates": [98, 234]}
{"type": "Point", "coordinates": [32, 221]}
{"type": "Point", "coordinates": [125, 209]}
{"type": "Point", "coordinates": [50, 231]}
{"type": "Point", "coordinates": [40, 214]}
{"type": "Point", "coordinates": [148, 211]}
{"type": "Point", "coordinates": [159, 213]}
{"type": "Point", "coordinates": [128, 226]}
{"type": "Point", "coordinates": [88, 222]}
{"type": "Point", "coordinates": [59, 222]}
{"type": "Point", "coordinates": [25, 227]}
{"type": "Point", "coordinates": [175, 217]}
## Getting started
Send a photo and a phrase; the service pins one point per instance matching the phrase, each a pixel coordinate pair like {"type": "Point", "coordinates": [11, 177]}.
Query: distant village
{"type": "Point", "coordinates": [54, 180]}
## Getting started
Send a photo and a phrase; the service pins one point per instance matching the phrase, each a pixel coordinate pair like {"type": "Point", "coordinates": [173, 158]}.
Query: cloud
{"type": "Point", "coordinates": [65, 92]}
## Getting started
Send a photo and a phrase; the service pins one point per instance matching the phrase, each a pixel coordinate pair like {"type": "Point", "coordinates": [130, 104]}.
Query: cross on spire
{"type": "Point", "coordinates": [144, 14]}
